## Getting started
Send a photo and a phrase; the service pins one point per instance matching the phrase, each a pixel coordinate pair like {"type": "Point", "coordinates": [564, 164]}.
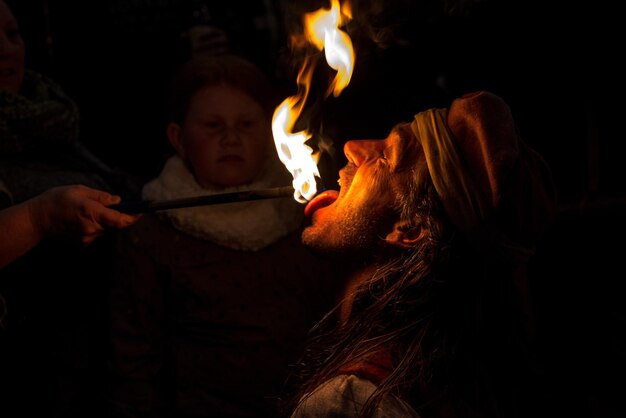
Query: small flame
{"type": "Point", "coordinates": [321, 29]}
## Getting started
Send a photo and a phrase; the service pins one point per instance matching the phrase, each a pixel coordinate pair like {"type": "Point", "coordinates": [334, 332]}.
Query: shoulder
{"type": "Point", "coordinates": [344, 396]}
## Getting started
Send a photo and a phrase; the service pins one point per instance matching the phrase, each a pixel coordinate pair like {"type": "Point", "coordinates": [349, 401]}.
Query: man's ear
{"type": "Point", "coordinates": [175, 137]}
{"type": "Point", "coordinates": [404, 235]}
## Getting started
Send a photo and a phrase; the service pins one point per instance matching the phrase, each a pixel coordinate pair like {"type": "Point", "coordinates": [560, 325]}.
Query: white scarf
{"type": "Point", "coordinates": [247, 226]}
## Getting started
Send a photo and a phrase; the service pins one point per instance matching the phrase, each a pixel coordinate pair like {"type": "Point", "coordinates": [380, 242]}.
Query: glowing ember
{"type": "Point", "coordinates": [322, 31]}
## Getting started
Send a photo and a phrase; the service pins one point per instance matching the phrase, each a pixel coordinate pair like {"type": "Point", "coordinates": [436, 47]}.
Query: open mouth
{"type": "Point", "coordinates": [322, 200]}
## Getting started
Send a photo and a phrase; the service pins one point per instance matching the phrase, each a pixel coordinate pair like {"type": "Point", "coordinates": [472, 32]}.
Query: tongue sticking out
{"type": "Point", "coordinates": [321, 200]}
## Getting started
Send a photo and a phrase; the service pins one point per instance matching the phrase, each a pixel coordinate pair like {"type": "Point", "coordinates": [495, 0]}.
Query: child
{"type": "Point", "coordinates": [212, 303]}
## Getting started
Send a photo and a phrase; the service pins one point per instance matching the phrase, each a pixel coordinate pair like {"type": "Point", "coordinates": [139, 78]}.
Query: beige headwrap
{"type": "Point", "coordinates": [492, 185]}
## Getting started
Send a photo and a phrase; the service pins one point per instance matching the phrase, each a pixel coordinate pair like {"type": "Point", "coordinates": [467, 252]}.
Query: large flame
{"type": "Point", "coordinates": [321, 29]}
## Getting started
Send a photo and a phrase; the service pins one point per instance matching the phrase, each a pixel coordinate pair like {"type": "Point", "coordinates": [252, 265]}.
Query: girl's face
{"type": "Point", "coordinates": [225, 137]}
{"type": "Point", "coordinates": [12, 54]}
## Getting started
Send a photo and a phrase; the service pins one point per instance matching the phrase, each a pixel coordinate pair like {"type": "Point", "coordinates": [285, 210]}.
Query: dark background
{"type": "Point", "coordinates": [557, 64]}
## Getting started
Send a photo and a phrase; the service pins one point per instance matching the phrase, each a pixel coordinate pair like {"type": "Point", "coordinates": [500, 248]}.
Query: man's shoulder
{"type": "Point", "coordinates": [344, 396]}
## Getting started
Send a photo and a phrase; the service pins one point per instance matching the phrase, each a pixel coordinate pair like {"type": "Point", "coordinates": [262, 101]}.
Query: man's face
{"type": "Point", "coordinates": [361, 215]}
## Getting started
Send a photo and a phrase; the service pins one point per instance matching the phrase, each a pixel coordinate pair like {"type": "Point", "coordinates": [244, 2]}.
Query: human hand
{"type": "Point", "coordinates": [76, 212]}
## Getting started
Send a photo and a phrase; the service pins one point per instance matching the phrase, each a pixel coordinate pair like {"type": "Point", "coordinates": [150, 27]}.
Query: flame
{"type": "Point", "coordinates": [321, 29]}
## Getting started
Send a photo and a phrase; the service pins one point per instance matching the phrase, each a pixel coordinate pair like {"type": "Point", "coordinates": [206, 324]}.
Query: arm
{"type": "Point", "coordinates": [68, 212]}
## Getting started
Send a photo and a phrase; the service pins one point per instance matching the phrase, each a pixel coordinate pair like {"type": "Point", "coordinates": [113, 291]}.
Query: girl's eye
{"type": "Point", "coordinates": [248, 124]}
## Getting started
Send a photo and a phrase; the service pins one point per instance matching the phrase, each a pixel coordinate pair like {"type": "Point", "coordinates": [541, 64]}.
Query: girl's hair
{"type": "Point", "coordinates": [233, 70]}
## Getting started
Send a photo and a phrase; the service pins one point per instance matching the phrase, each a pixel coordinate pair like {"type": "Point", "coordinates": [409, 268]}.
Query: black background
{"type": "Point", "coordinates": [557, 64]}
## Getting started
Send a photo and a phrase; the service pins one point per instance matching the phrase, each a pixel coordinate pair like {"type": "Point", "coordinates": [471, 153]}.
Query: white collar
{"type": "Point", "coordinates": [248, 226]}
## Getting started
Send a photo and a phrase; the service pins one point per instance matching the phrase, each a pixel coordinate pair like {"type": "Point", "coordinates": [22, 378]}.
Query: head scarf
{"type": "Point", "coordinates": [493, 186]}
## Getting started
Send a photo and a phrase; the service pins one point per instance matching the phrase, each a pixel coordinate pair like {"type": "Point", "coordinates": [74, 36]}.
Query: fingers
{"type": "Point", "coordinates": [81, 213]}
{"type": "Point", "coordinates": [102, 214]}
{"type": "Point", "coordinates": [101, 196]}
{"type": "Point", "coordinates": [111, 218]}
{"type": "Point", "coordinates": [114, 219]}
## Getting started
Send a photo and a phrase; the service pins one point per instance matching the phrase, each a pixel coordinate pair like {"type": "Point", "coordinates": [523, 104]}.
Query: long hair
{"type": "Point", "coordinates": [446, 315]}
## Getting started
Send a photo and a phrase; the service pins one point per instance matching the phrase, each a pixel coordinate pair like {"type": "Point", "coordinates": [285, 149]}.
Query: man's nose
{"type": "Point", "coordinates": [358, 151]}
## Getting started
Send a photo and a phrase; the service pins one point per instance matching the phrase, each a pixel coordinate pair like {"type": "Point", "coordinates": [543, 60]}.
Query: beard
{"type": "Point", "coordinates": [350, 234]}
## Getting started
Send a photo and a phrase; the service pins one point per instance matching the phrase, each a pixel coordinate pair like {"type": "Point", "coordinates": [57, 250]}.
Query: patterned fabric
{"type": "Point", "coordinates": [39, 146]}
{"type": "Point", "coordinates": [42, 116]}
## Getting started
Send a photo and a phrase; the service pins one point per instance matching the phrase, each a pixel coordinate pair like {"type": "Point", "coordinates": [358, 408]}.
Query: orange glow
{"type": "Point", "coordinates": [322, 30]}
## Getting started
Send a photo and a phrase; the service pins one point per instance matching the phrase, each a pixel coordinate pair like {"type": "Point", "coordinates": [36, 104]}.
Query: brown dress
{"type": "Point", "coordinates": [204, 330]}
